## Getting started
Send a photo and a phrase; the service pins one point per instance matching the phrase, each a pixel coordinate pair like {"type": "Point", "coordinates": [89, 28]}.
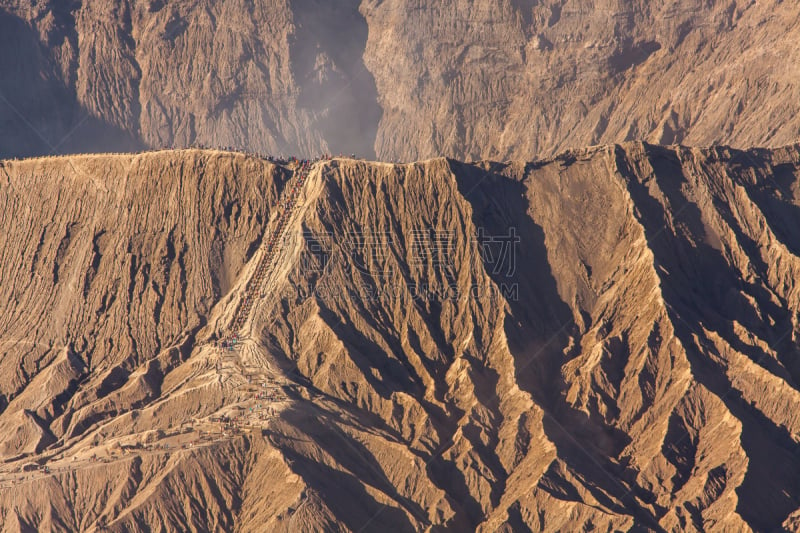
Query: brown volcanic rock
{"type": "Point", "coordinates": [396, 78]}
{"type": "Point", "coordinates": [636, 366]}
{"type": "Point", "coordinates": [119, 269]}
{"type": "Point", "coordinates": [518, 77]}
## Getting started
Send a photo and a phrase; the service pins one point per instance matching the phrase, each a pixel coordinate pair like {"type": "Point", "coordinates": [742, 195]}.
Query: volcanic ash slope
{"type": "Point", "coordinates": [605, 339]}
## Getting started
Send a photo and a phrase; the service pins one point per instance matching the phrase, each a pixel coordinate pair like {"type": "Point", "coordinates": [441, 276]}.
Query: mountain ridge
{"type": "Point", "coordinates": [634, 365]}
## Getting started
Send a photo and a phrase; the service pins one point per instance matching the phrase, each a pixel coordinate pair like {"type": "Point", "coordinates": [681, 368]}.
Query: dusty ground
{"type": "Point", "coordinates": [630, 362]}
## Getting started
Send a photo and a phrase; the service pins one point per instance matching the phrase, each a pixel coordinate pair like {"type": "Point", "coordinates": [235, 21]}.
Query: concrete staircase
{"type": "Point", "coordinates": [270, 248]}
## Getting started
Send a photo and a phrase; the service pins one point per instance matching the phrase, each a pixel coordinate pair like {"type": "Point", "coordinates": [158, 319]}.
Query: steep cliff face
{"type": "Point", "coordinates": [397, 78]}
{"type": "Point", "coordinates": [605, 338]}
{"type": "Point", "coordinates": [505, 80]}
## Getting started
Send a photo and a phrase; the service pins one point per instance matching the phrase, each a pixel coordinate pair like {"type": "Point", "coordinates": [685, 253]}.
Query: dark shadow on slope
{"type": "Point", "coordinates": [485, 382]}
{"type": "Point", "coordinates": [540, 321]}
{"type": "Point", "coordinates": [525, 9]}
{"type": "Point", "coordinates": [326, 54]}
{"type": "Point", "coordinates": [771, 188]}
{"type": "Point", "coordinates": [538, 331]}
{"type": "Point", "coordinates": [699, 276]}
{"type": "Point", "coordinates": [343, 490]}
{"type": "Point", "coordinates": [695, 286]}
{"type": "Point", "coordinates": [396, 374]}
{"type": "Point", "coordinates": [39, 114]}
{"type": "Point", "coordinates": [24, 526]}
{"type": "Point", "coordinates": [113, 381]}
{"type": "Point", "coordinates": [367, 421]}
{"type": "Point", "coordinates": [395, 371]}
{"type": "Point", "coordinates": [374, 342]}
{"type": "Point", "coordinates": [371, 295]}
{"type": "Point", "coordinates": [630, 54]}
{"type": "Point", "coordinates": [774, 196]}
{"type": "Point", "coordinates": [516, 523]}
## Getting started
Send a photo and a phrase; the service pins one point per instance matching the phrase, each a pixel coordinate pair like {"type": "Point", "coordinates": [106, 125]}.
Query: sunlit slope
{"type": "Point", "coordinates": [605, 337]}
